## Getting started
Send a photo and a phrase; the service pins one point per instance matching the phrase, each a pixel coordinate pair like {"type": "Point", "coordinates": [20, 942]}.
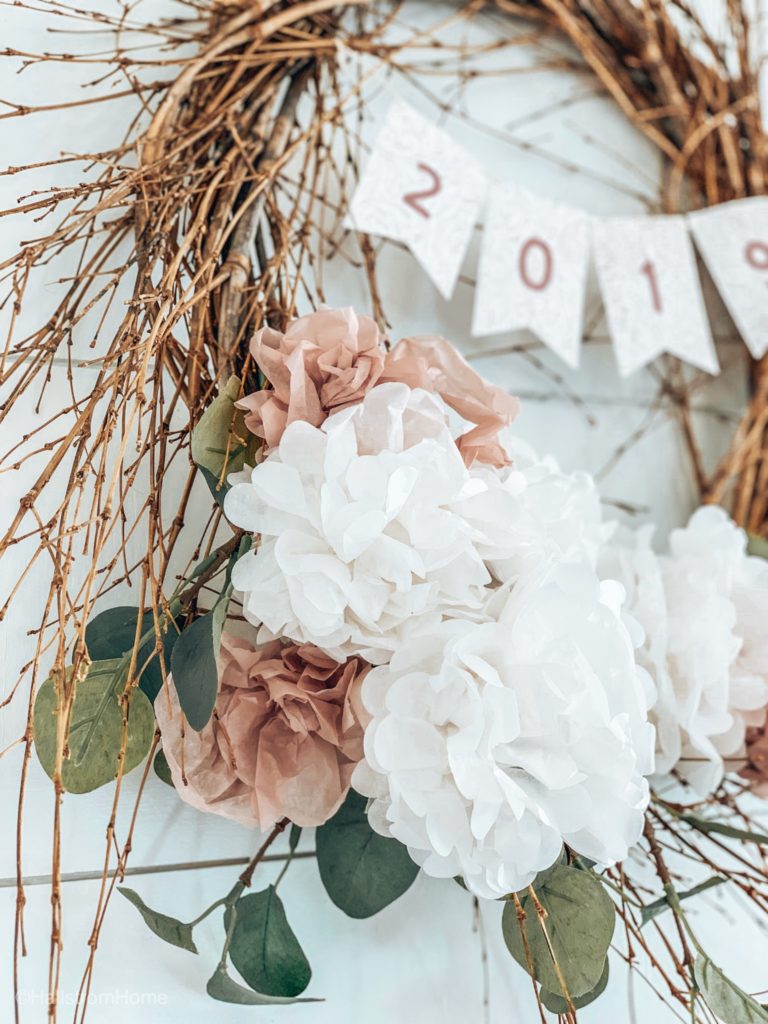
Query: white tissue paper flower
{"type": "Point", "coordinates": [372, 528]}
{"type": "Point", "coordinates": [554, 513]}
{"type": "Point", "coordinates": [491, 743]}
{"type": "Point", "coordinates": [704, 610]}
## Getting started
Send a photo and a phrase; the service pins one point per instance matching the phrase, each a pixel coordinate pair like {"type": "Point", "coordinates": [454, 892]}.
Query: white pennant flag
{"type": "Point", "coordinates": [651, 290]}
{"type": "Point", "coordinates": [421, 188]}
{"type": "Point", "coordinates": [533, 270]}
{"type": "Point", "coordinates": [733, 239]}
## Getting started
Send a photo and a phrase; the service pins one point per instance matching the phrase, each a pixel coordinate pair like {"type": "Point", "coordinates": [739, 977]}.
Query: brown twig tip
{"type": "Point", "coordinates": [247, 876]}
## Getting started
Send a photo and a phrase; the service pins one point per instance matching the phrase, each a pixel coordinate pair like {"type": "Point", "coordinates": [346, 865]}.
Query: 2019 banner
{"type": "Point", "coordinates": [421, 188]}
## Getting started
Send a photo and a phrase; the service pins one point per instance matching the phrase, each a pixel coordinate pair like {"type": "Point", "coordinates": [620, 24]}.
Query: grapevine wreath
{"type": "Point", "coordinates": [401, 626]}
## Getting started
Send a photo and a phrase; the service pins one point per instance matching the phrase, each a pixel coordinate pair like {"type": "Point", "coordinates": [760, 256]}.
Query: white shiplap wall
{"type": "Point", "coordinates": [420, 960]}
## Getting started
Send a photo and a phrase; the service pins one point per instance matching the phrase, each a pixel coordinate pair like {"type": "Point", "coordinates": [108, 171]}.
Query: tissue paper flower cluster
{"type": "Point", "coordinates": [434, 646]}
{"type": "Point", "coordinates": [401, 524]}
{"type": "Point", "coordinates": [703, 608]}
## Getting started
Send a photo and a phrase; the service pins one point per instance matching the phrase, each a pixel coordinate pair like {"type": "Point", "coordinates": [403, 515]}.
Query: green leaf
{"type": "Point", "coordinates": [293, 837]}
{"type": "Point", "coordinates": [556, 1003]}
{"type": "Point", "coordinates": [223, 988]}
{"type": "Point", "coordinates": [162, 768]}
{"type": "Point", "coordinates": [221, 443]}
{"type": "Point", "coordinates": [95, 729]}
{"type": "Point", "coordinates": [166, 928]}
{"type": "Point", "coordinates": [112, 634]}
{"type": "Point", "coordinates": [724, 998]}
{"type": "Point", "coordinates": [195, 665]}
{"type": "Point", "coordinates": [362, 871]}
{"type": "Point", "coordinates": [707, 825]}
{"type": "Point", "coordinates": [264, 949]}
{"type": "Point", "coordinates": [652, 910]}
{"type": "Point", "coordinates": [580, 922]}
{"type": "Point", "coordinates": [757, 546]}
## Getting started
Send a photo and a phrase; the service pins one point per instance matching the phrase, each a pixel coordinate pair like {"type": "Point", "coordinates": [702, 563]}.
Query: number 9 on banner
{"type": "Point", "coordinates": [733, 239]}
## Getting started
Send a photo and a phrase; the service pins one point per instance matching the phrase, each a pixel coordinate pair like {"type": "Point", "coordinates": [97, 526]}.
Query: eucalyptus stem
{"type": "Point", "coordinates": [284, 868]}
{"type": "Point", "coordinates": [208, 912]}
{"type": "Point", "coordinates": [231, 902]}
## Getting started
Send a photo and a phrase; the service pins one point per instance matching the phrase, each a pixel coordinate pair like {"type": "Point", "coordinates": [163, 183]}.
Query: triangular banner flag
{"type": "Point", "coordinates": [733, 240]}
{"type": "Point", "coordinates": [421, 188]}
{"type": "Point", "coordinates": [651, 290]}
{"type": "Point", "coordinates": [533, 270]}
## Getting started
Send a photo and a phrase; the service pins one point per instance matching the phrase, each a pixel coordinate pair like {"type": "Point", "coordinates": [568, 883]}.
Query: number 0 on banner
{"type": "Point", "coordinates": [530, 246]}
{"type": "Point", "coordinates": [533, 268]}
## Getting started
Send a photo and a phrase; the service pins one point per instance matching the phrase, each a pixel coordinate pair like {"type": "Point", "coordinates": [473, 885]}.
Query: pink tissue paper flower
{"type": "Point", "coordinates": [330, 359]}
{"type": "Point", "coordinates": [286, 733]}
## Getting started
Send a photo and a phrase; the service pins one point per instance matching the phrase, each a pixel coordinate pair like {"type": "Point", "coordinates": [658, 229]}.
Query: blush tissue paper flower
{"type": "Point", "coordinates": [283, 740]}
{"type": "Point", "coordinates": [434, 364]}
{"type": "Point", "coordinates": [331, 359]}
{"type": "Point", "coordinates": [372, 527]}
{"type": "Point", "coordinates": [492, 743]}
{"type": "Point", "coordinates": [324, 361]}
{"type": "Point", "coordinates": [703, 608]}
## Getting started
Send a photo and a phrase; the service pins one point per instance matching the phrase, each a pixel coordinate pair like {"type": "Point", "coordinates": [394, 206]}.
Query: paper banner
{"type": "Point", "coordinates": [421, 188]}
{"type": "Point", "coordinates": [533, 270]}
{"type": "Point", "coordinates": [733, 239]}
{"type": "Point", "coordinates": [651, 290]}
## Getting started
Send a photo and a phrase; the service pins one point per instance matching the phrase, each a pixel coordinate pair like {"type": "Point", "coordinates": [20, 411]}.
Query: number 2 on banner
{"type": "Point", "coordinates": [414, 199]}
{"type": "Point", "coordinates": [649, 270]}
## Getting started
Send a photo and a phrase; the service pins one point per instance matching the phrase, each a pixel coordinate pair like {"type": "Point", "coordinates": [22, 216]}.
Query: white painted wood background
{"type": "Point", "coordinates": [419, 960]}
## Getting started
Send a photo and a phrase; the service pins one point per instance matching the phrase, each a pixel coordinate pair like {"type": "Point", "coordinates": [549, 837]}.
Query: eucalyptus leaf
{"type": "Point", "coordinates": [757, 546]}
{"type": "Point", "coordinates": [556, 1004]}
{"type": "Point", "coordinates": [225, 989]}
{"type": "Point", "coordinates": [195, 665]}
{"type": "Point", "coordinates": [702, 824]}
{"type": "Point", "coordinates": [724, 998]}
{"type": "Point", "coordinates": [162, 768]}
{"type": "Point", "coordinates": [652, 910]}
{"type": "Point", "coordinates": [95, 728]}
{"type": "Point", "coordinates": [112, 634]}
{"type": "Point", "coordinates": [580, 922]}
{"type": "Point", "coordinates": [221, 443]}
{"type": "Point", "coordinates": [167, 928]}
{"type": "Point", "coordinates": [264, 949]}
{"type": "Point", "coordinates": [362, 871]}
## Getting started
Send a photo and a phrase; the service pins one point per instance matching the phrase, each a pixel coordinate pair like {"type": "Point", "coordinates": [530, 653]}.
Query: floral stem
{"type": "Point", "coordinates": [207, 912]}
{"type": "Point", "coordinates": [247, 876]}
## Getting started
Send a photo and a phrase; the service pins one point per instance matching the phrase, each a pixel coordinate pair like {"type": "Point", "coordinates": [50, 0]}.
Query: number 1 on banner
{"type": "Point", "coordinates": [651, 291]}
{"type": "Point", "coordinates": [649, 270]}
